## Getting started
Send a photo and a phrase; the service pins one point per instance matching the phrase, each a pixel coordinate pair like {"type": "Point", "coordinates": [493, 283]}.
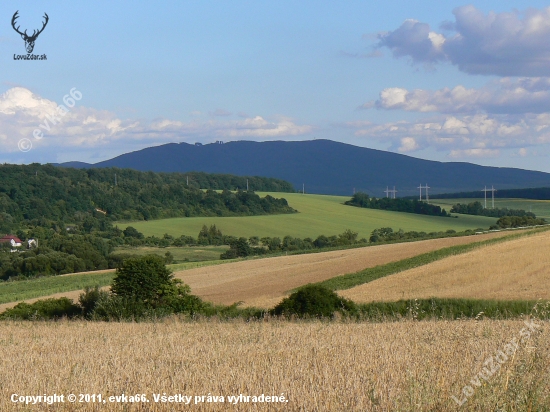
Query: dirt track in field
{"type": "Point", "coordinates": [518, 269]}
{"type": "Point", "coordinates": [264, 282]}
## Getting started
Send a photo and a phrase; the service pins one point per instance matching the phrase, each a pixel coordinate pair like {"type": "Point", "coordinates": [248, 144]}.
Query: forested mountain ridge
{"type": "Point", "coordinates": [326, 167]}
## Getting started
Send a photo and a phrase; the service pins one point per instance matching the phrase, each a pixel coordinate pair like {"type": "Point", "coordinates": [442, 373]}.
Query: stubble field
{"type": "Point", "coordinates": [516, 269]}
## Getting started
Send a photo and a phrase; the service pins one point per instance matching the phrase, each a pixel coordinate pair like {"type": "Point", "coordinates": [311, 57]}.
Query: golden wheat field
{"type": "Point", "coordinates": [264, 282]}
{"type": "Point", "coordinates": [316, 366]}
{"type": "Point", "coordinates": [516, 269]}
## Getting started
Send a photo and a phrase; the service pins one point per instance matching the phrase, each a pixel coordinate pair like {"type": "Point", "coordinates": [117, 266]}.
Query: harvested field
{"type": "Point", "coordinates": [514, 270]}
{"type": "Point", "coordinates": [264, 282]}
{"type": "Point", "coordinates": [318, 366]}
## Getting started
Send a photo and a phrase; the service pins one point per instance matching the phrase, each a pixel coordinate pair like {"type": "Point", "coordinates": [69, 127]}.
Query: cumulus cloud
{"type": "Point", "coordinates": [22, 112]}
{"type": "Point", "coordinates": [504, 44]}
{"type": "Point", "coordinates": [408, 144]}
{"type": "Point", "coordinates": [507, 95]}
{"type": "Point", "coordinates": [479, 135]}
{"type": "Point", "coordinates": [468, 153]}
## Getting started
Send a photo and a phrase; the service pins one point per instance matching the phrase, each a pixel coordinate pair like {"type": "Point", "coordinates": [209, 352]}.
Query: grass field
{"type": "Point", "coordinates": [317, 366]}
{"type": "Point", "coordinates": [34, 288]}
{"type": "Point", "coordinates": [516, 269]}
{"type": "Point", "coordinates": [181, 254]}
{"type": "Point", "coordinates": [319, 215]}
{"type": "Point", "coordinates": [541, 208]}
{"type": "Point", "coordinates": [70, 285]}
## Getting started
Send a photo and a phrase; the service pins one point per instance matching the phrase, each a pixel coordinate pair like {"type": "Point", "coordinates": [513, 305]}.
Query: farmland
{"type": "Point", "coordinates": [516, 269]}
{"type": "Point", "coordinates": [317, 366]}
{"type": "Point", "coordinates": [319, 215]}
{"type": "Point", "coordinates": [255, 282]}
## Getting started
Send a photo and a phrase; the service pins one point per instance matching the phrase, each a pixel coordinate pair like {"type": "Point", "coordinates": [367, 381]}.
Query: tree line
{"type": "Point", "coordinates": [476, 208]}
{"type": "Point", "coordinates": [396, 205]}
{"type": "Point", "coordinates": [538, 193]}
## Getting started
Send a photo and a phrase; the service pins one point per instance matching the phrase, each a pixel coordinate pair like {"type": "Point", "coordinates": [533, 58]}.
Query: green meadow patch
{"type": "Point", "coordinates": [318, 215]}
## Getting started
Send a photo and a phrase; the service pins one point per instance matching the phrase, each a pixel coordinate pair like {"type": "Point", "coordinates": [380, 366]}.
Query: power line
{"type": "Point", "coordinates": [492, 190]}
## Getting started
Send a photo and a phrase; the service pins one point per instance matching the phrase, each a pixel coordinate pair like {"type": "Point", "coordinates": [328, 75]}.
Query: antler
{"type": "Point", "coordinates": [15, 16]}
{"type": "Point", "coordinates": [43, 27]}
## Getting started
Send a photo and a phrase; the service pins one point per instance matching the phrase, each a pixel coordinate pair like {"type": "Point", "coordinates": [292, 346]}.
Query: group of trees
{"type": "Point", "coordinates": [38, 191]}
{"type": "Point", "coordinates": [519, 221]}
{"type": "Point", "coordinates": [396, 205]}
{"type": "Point", "coordinates": [476, 208]}
{"type": "Point", "coordinates": [387, 234]}
{"type": "Point", "coordinates": [243, 247]}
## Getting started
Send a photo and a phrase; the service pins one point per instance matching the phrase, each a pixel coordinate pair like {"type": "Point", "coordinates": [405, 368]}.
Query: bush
{"type": "Point", "coordinates": [90, 298]}
{"type": "Point", "coordinates": [144, 288]}
{"type": "Point", "coordinates": [144, 278]}
{"type": "Point", "coordinates": [43, 310]}
{"type": "Point", "coordinates": [314, 301]}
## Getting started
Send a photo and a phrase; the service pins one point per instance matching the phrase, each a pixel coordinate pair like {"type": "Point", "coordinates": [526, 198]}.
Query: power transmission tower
{"type": "Point", "coordinates": [247, 185]}
{"type": "Point", "coordinates": [493, 190]}
{"type": "Point", "coordinates": [387, 191]}
{"type": "Point", "coordinates": [424, 187]}
{"type": "Point", "coordinates": [115, 180]}
{"type": "Point", "coordinates": [485, 192]}
{"type": "Point", "coordinates": [303, 188]}
{"type": "Point", "coordinates": [427, 196]}
{"type": "Point", "coordinates": [393, 192]}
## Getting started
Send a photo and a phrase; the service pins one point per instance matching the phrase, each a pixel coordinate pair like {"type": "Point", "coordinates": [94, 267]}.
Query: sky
{"type": "Point", "coordinates": [436, 80]}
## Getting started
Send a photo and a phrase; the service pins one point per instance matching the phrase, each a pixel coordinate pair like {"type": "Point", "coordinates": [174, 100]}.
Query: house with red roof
{"type": "Point", "coordinates": [12, 239]}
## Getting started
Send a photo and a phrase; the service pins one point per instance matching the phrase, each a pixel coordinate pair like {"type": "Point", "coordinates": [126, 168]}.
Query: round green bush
{"type": "Point", "coordinates": [314, 301]}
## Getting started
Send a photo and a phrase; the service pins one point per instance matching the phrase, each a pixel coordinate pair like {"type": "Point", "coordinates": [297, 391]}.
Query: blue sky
{"type": "Point", "coordinates": [437, 80]}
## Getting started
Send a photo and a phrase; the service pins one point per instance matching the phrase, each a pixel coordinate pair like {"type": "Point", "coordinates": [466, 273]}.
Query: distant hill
{"type": "Point", "coordinates": [325, 167]}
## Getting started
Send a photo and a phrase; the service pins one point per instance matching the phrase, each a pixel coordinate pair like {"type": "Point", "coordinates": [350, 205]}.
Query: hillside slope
{"type": "Point", "coordinates": [325, 167]}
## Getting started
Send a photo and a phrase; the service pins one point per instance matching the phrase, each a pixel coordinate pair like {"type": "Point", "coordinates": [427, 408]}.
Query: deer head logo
{"type": "Point", "coordinates": [29, 40]}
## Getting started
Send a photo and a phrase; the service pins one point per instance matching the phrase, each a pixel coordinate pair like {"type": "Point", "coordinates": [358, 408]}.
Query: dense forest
{"type": "Point", "coordinates": [396, 205]}
{"type": "Point", "coordinates": [70, 212]}
{"type": "Point", "coordinates": [47, 192]}
{"type": "Point", "coordinates": [476, 208]}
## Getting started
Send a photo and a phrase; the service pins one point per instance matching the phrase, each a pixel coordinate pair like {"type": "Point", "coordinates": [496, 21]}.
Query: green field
{"type": "Point", "coordinates": [319, 215]}
{"type": "Point", "coordinates": [36, 288]}
{"type": "Point", "coordinates": [541, 208]}
{"type": "Point", "coordinates": [181, 254]}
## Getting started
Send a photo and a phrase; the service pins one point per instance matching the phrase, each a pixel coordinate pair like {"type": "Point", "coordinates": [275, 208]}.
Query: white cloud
{"type": "Point", "coordinates": [522, 152]}
{"type": "Point", "coordinates": [507, 95]}
{"type": "Point", "coordinates": [505, 44]}
{"type": "Point", "coordinates": [408, 144]}
{"type": "Point", "coordinates": [21, 112]}
{"type": "Point", "coordinates": [479, 135]}
{"type": "Point", "coordinates": [469, 153]}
